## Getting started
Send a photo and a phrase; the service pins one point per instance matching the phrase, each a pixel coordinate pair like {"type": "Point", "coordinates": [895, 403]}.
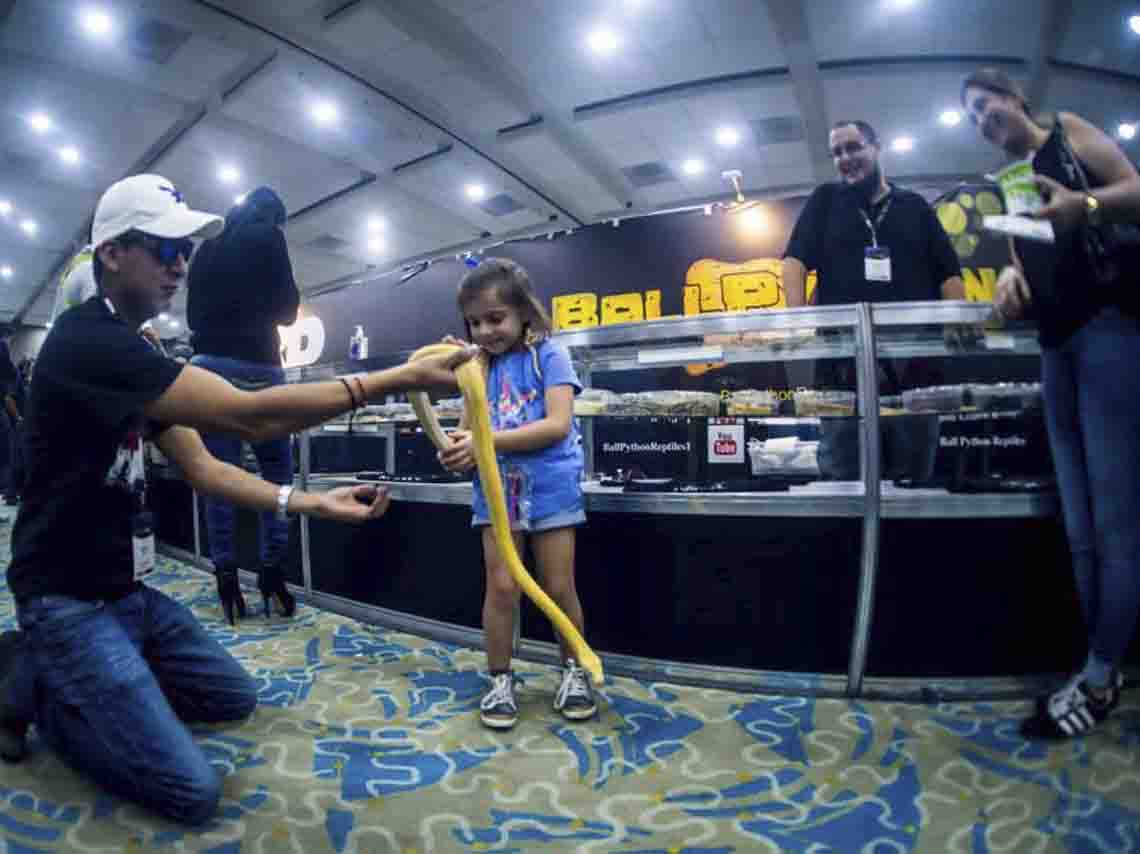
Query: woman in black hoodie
{"type": "Point", "coordinates": [241, 289]}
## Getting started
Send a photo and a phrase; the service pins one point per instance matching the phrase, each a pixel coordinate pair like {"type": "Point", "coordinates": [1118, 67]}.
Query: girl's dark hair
{"type": "Point", "coordinates": [512, 284]}
{"type": "Point", "coordinates": [999, 83]}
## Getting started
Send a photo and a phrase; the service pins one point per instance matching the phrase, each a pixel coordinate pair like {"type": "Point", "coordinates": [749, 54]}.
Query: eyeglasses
{"type": "Point", "coordinates": [164, 250]}
{"type": "Point", "coordinates": [848, 148]}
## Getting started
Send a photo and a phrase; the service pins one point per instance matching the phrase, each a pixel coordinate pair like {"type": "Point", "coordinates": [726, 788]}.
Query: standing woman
{"type": "Point", "coordinates": [241, 289]}
{"type": "Point", "coordinates": [1090, 370]}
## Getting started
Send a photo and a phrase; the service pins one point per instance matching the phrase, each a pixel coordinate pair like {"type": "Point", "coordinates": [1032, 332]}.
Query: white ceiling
{"type": "Point", "coordinates": [413, 77]}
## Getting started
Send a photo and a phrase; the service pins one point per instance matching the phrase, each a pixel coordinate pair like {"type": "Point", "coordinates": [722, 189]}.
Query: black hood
{"type": "Point", "coordinates": [261, 206]}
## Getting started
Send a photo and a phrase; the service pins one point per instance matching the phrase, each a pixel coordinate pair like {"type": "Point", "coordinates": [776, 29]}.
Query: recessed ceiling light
{"type": "Point", "coordinates": [324, 112]}
{"type": "Point", "coordinates": [47, 325]}
{"type": "Point", "coordinates": [174, 324]}
{"type": "Point", "coordinates": [1126, 131]}
{"type": "Point", "coordinates": [693, 166]}
{"type": "Point", "coordinates": [164, 316]}
{"type": "Point", "coordinates": [603, 41]}
{"type": "Point", "coordinates": [727, 137]}
{"type": "Point", "coordinates": [1134, 24]}
{"type": "Point", "coordinates": [29, 226]}
{"type": "Point", "coordinates": [96, 22]}
{"type": "Point", "coordinates": [6, 271]}
{"type": "Point", "coordinates": [902, 144]}
{"type": "Point", "coordinates": [950, 118]}
{"type": "Point", "coordinates": [5, 208]}
{"type": "Point", "coordinates": [902, 4]}
{"type": "Point", "coordinates": [69, 154]}
{"type": "Point", "coordinates": [376, 223]}
{"type": "Point", "coordinates": [40, 122]}
{"type": "Point", "coordinates": [375, 245]}
{"type": "Point", "coordinates": [239, 199]}
{"type": "Point", "coordinates": [229, 175]}
{"type": "Point", "coordinates": [475, 192]}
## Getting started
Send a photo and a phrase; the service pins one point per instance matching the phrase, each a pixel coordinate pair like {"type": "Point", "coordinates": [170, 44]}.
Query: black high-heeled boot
{"type": "Point", "coordinates": [271, 583]}
{"type": "Point", "coordinates": [229, 592]}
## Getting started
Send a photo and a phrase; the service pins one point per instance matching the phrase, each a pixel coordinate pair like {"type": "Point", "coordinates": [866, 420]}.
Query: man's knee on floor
{"type": "Point", "coordinates": [240, 704]}
{"type": "Point", "coordinates": [196, 801]}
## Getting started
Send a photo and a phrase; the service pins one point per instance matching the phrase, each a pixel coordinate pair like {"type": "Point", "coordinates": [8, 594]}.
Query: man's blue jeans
{"type": "Point", "coordinates": [274, 458]}
{"type": "Point", "coordinates": [109, 684]}
{"type": "Point", "coordinates": [1091, 386]}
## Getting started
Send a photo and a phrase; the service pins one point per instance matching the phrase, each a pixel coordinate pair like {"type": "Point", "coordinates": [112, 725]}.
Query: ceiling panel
{"type": "Point", "coordinates": [1099, 35]}
{"type": "Point", "coordinates": [110, 132]}
{"type": "Point", "coordinates": [846, 29]}
{"type": "Point", "coordinates": [364, 32]}
{"type": "Point", "coordinates": [301, 176]}
{"type": "Point", "coordinates": [369, 130]}
{"type": "Point", "coordinates": [50, 29]}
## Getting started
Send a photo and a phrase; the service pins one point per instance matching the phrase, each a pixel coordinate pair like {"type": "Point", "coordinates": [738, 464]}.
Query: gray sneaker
{"type": "Point", "coordinates": [498, 708]}
{"type": "Point", "coordinates": [575, 697]}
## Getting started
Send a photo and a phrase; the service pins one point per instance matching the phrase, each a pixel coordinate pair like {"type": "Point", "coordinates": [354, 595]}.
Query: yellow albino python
{"type": "Point", "coordinates": [474, 388]}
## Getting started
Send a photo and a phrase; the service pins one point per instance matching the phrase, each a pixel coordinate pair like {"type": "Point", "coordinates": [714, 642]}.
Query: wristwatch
{"type": "Point", "coordinates": [283, 495]}
{"type": "Point", "coordinates": [1092, 210]}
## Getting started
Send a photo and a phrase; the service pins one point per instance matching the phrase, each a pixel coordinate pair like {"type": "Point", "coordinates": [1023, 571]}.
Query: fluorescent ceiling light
{"type": "Point", "coordinates": [1126, 131]}
{"type": "Point", "coordinates": [96, 22]}
{"type": "Point", "coordinates": [603, 41]}
{"type": "Point", "coordinates": [29, 226]}
{"type": "Point", "coordinates": [239, 199]}
{"type": "Point", "coordinates": [693, 166]}
{"type": "Point", "coordinates": [324, 112]}
{"type": "Point", "coordinates": [174, 324]}
{"type": "Point", "coordinates": [1134, 24]}
{"type": "Point", "coordinates": [376, 223]}
{"type": "Point", "coordinates": [69, 154]}
{"type": "Point", "coordinates": [950, 118]}
{"type": "Point", "coordinates": [475, 192]}
{"type": "Point", "coordinates": [375, 245]}
{"type": "Point", "coordinates": [40, 122]}
{"type": "Point", "coordinates": [6, 271]}
{"type": "Point", "coordinates": [229, 175]}
{"type": "Point", "coordinates": [902, 144]}
{"type": "Point", "coordinates": [727, 137]}
{"type": "Point", "coordinates": [5, 208]}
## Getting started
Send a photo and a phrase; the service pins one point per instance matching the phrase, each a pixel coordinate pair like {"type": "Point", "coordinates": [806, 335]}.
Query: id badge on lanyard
{"type": "Point", "coordinates": [142, 543]}
{"type": "Point", "coordinates": [876, 258]}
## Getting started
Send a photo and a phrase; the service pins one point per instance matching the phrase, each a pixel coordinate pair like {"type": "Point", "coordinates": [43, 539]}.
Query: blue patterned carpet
{"type": "Point", "coordinates": [369, 741]}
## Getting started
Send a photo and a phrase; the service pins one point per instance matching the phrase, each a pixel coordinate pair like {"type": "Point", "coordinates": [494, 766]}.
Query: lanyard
{"type": "Point", "coordinates": [872, 227]}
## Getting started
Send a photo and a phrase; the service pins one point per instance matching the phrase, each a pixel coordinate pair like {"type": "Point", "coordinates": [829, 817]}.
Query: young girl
{"type": "Point", "coordinates": [530, 389]}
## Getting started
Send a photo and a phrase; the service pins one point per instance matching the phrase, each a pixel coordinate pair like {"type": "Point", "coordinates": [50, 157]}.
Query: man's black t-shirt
{"type": "Point", "coordinates": [831, 237]}
{"type": "Point", "coordinates": [85, 430]}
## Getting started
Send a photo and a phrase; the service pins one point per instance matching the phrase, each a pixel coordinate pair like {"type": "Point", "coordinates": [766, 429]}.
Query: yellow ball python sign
{"type": "Point", "coordinates": [715, 286]}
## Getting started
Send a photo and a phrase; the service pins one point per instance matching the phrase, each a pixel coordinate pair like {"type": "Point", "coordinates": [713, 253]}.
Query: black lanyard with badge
{"type": "Point", "coordinates": [142, 519]}
{"type": "Point", "coordinates": [876, 258]}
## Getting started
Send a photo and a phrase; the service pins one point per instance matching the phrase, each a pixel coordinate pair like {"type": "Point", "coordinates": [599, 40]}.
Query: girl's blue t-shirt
{"type": "Point", "coordinates": [541, 483]}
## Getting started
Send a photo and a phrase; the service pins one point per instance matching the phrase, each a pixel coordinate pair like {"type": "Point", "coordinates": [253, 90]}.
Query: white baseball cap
{"type": "Point", "coordinates": [151, 204]}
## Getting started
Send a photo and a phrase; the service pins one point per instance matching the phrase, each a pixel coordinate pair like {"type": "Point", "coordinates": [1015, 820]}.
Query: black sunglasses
{"type": "Point", "coordinates": [165, 250]}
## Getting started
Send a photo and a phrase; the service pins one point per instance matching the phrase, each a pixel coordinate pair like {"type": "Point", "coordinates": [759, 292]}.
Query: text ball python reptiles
{"type": "Point", "coordinates": [474, 389]}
